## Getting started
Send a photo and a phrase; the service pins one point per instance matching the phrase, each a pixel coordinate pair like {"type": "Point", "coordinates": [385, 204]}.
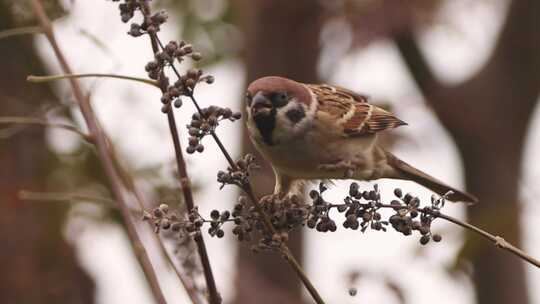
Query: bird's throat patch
{"type": "Point", "coordinates": [266, 125]}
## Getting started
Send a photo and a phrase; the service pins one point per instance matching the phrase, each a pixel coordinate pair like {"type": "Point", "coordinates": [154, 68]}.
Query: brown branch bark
{"type": "Point", "coordinates": [214, 296]}
{"type": "Point", "coordinates": [412, 55]}
{"type": "Point", "coordinates": [38, 264]}
{"type": "Point", "coordinates": [101, 145]}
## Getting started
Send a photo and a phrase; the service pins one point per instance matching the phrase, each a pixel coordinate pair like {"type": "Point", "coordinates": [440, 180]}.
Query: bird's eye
{"type": "Point", "coordinates": [248, 99]}
{"type": "Point", "coordinates": [279, 99]}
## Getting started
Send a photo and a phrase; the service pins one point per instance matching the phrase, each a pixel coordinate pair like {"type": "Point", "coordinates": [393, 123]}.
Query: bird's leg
{"type": "Point", "coordinates": [286, 187]}
{"type": "Point", "coordinates": [283, 186]}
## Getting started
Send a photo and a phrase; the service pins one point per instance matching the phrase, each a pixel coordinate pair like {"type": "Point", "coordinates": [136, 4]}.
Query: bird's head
{"type": "Point", "coordinates": [278, 108]}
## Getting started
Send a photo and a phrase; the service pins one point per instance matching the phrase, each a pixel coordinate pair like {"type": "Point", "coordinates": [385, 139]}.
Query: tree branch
{"type": "Point", "coordinates": [143, 204]}
{"type": "Point", "coordinates": [20, 31]}
{"type": "Point", "coordinates": [417, 63]}
{"type": "Point", "coordinates": [214, 296]}
{"type": "Point", "coordinates": [497, 240]}
{"type": "Point", "coordinates": [40, 79]}
{"type": "Point", "coordinates": [516, 56]}
{"type": "Point", "coordinates": [101, 144]}
{"type": "Point", "coordinates": [42, 122]}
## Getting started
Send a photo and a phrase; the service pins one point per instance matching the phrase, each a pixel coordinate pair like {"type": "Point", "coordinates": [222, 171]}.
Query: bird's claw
{"type": "Point", "coordinates": [271, 197]}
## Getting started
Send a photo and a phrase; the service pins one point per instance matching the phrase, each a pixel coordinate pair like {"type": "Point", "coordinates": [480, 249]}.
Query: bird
{"type": "Point", "coordinates": [324, 132]}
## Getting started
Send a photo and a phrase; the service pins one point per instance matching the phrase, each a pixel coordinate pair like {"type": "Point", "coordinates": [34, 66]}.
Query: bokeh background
{"type": "Point", "coordinates": [465, 75]}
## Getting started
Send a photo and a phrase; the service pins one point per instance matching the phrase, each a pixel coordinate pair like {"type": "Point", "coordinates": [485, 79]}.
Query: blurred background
{"type": "Point", "coordinates": [465, 75]}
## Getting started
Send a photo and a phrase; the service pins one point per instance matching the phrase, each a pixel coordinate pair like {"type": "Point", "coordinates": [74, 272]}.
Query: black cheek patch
{"type": "Point", "coordinates": [296, 115]}
{"type": "Point", "coordinates": [266, 125]}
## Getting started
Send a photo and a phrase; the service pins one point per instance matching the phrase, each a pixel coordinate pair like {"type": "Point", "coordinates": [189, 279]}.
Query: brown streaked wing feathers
{"type": "Point", "coordinates": [325, 92]}
{"type": "Point", "coordinates": [367, 118]}
{"type": "Point", "coordinates": [381, 120]}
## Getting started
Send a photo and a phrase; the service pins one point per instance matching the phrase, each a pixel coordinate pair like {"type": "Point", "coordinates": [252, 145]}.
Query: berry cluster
{"type": "Point", "coordinates": [127, 9]}
{"type": "Point", "coordinates": [150, 24]}
{"type": "Point", "coordinates": [238, 175]}
{"type": "Point", "coordinates": [218, 219]}
{"type": "Point", "coordinates": [204, 122]}
{"type": "Point", "coordinates": [164, 219]}
{"type": "Point", "coordinates": [174, 51]}
{"type": "Point", "coordinates": [182, 232]}
{"type": "Point", "coordinates": [407, 213]}
{"type": "Point", "coordinates": [361, 209]}
{"type": "Point", "coordinates": [185, 85]}
{"type": "Point", "coordinates": [286, 213]}
{"type": "Point", "coordinates": [357, 214]}
{"type": "Point", "coordinates": [177, 51]}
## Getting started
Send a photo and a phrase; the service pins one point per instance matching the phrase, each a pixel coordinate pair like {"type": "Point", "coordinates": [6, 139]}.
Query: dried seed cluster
{"type": "Point", "coordinates": [186, 83]}
{"type": "Point", "coordinates": [357, 214]}
{"type": "Point", "coordinates": [151, 24]}
{"type": "Point", "coordinates": [127, 9]}
{"type": "Point", "coordinates": [238, 175]}
{"type": "Point", "coordinates": [361, 210]}
{"type": "Point", "coordinates": [163, 219]}
{"type": "Point", "coordinates": [204, 122]}
{"type": "Point", "coordinates": [182, 232]}
{"type": "Point", "coordinates": [169, 54]}
{"type": "Point", "coordinates": [409, 217]}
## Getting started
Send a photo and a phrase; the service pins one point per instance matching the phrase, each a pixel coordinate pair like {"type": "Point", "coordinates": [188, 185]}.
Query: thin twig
{"type": "Point", "coordinates": [20, 31]}
{"type": "Point", "coordinates": [497, 240]}
{"type": "Point", "coordinates": [101, 144]}
{"type": "Point", "coordinates": [42, 122]}
{"type": "Point", "coordinates": [141, 201]}
{"type": "Point", "coordinates": [191, 291]}
{"type": "Point", "coordinates": [213, 293]}
{"type": "Point", "coordinates": [71, 198]}
{"type": "Point", "coordinates": [64, 197]}
{"type": "Point", "coordinates": [40, 79]}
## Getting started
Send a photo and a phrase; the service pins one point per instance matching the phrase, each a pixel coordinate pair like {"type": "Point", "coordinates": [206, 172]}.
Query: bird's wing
{"type": "Point", "coordinates": [352, 112]}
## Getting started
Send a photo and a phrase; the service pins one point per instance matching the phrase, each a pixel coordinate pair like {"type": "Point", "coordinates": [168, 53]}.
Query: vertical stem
{"type": "Point", "coordinates": [214, 296]}
{"type": "Point", "coordinates": [101, 144]}
{"type": "Point", "coordinates": [188, 197]}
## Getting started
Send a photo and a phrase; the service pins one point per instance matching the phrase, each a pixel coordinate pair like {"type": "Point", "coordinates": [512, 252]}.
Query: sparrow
{"type": "Point", "coordinates": [324, 132]}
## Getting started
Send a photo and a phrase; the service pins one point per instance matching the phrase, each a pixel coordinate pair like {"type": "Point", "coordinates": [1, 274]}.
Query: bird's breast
{"type": "Point", "coordinates": [303, 156]}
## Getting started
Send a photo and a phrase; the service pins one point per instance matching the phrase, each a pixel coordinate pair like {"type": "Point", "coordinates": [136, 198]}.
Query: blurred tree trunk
{"type": "Point", "coordinates": [282, 39]}
{"type": "Point", "coordinates": [37, 264]}
{"type": "Point", "coordinates": [488, 117]}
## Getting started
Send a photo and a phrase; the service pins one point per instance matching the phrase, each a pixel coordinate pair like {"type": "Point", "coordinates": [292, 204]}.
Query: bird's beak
{"type": "Point", "coordinates": [261, 105]}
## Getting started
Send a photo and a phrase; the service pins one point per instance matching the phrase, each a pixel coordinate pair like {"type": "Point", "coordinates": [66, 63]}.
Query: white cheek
{"type": "Point", "coordinates": [285, 128]}
{"type": "Point", "coordinates": [281, 116]}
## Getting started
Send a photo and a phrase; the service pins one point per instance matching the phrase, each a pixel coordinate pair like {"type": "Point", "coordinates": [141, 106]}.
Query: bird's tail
{"type": "Point", "coordinates": [406, 171]}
